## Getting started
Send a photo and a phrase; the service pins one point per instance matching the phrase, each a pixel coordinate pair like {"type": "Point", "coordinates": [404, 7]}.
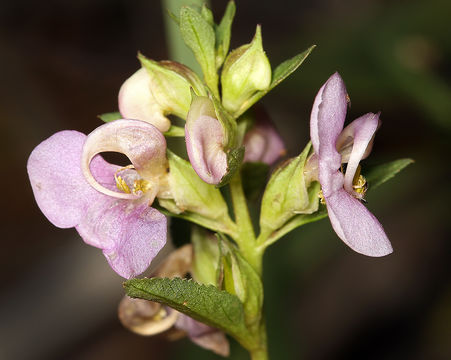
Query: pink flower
{"type": "Point", "coordinates": [74, 187]}
{"type": "Point", "coordinates": [351, 220]}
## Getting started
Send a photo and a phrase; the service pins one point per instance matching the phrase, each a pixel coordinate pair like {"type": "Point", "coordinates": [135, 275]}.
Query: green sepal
{"type": "Point", "coordinates": [286, 194]}
{"type": "Point", "coordinates": [246, 71]}
{"type": "Point", "coordinates": [223, 34]}
{"type": "Point", "coordinates": [111, 116]}
{"type": "Point", "coordinates": [204, 303]}
{"type": "Point", "coordinates": [191, 193]}
{"type": "Point", "coordinates": [199, 36]}
{"type": "Point", "coordinates": [280, 73]}
{"type": "Point", "coordinates": [379, 174]}
{"type": "Point", "coordinates": [241, 280]}
{"type": "Point", "coordinates": [168, 207]}
{"type": "Point", "coordinates": [207, 14]}
{"type": "Point", "coordinates": [171, 84]}
{"type": "Point", "coordinates": [175, 131]}
{"type": "Point", "coordinates": [234, 160]}
{"type": "Point", "coordinates": [205, 256]}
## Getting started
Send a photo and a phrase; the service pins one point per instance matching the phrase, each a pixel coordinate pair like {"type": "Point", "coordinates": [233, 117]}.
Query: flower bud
{"type": "Point", "coordinates": [262, 142]}
{"type": "Point", "coordinates": [156, 90]}
{"type": "Point", "coordinates": [246, 70]}
{"type": "Point", "coordinates": [206, 256]}
{"type": "Point", "coordinates": [206, 141]}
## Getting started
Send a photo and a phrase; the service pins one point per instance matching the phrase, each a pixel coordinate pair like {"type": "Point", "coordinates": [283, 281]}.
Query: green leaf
{"type": "Point", "coordinates": [379, 174]}
{"type": "Point", "coordinates": [223, 34]}
{"type": "Point", "coordinates": [175, 131]}
{"type": "Point", "coordinates": [286, 194]}
{"type": "Point", "coordinates": [279, 74]}
{"type": "Point", "coordinates": [199, 36]}
{"type": "Point", "coordinates": [107, 117]}
{"type": "Point", "coordinates": [204, 303]}
{"type": "Point", "coordinates": [289, 66]}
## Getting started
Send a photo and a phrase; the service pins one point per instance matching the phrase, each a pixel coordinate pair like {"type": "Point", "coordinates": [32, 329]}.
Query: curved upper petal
{"type": "Point", "coordinates": [356, 226]}
{"type": "Point", "coordinates": [137, 102]}
{"type": "Point", "coordinates": [204, 143]}
{"type": "Point", "coordinates": [327, 118]}
{"type": "Point", "coordinates": [362, 131]}
{"type": "Point", "coordinates": [141, 142]}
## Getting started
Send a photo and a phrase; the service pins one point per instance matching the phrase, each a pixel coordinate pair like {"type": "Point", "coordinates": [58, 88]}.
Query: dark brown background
{"type": "Point", "coordinates": [62, 63]}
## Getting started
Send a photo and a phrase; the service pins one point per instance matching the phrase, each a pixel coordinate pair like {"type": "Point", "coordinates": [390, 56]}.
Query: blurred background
{"type": "Point", "coordinates": [62, 63]}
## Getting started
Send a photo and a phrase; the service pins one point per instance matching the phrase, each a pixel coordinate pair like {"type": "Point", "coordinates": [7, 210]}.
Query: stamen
{"type": "Point", "coordinates": [360, 186]}
{"type": "Point", "coordinates": [322, 200]}
{"type": "Point", "coordinates": [141, 185]}
{"type": "Point", "coordinates": [120, 182]}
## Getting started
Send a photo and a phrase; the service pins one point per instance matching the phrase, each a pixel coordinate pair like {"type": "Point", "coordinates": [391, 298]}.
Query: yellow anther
{"type": "Point", "coordinates": [360, 185]}
{"type": "Point", "coordinates": [121, 184]}
{"type": "Point", "coordinates": [322, 200]}
{"type": "Point", "coordinates": [141, 185]}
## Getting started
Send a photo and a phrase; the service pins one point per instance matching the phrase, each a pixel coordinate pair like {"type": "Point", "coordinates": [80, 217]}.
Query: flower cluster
{"type": "Point", "coordinates": [123, 209]}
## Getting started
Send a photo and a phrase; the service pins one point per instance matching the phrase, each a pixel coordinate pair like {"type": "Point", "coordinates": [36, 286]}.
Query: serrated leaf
{"type": "Point", "coordinates": [223, 33]}
{"type": "Point", "coordinates": [381, 173]}
{"type": "Point", "coordinates": [204, 303]}
{"type": "Point", "coordinates": [107, 117]}
{"type": "Point", "coordinates": [199, 36]}
{"type": "Point", "coordinates": [279, 74]}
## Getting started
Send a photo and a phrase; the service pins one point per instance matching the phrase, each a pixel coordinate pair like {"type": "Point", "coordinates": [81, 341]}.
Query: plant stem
{"type": "Point", "coordinates": [246, 236]}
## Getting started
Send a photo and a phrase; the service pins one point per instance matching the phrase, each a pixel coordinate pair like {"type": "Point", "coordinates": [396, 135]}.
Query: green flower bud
{"type": "Point", "coordinates": [206, 256]}
{"type": "Point", "coordinates": [246, 70]}
{"type": "Point", "coordinates": [170, 84]}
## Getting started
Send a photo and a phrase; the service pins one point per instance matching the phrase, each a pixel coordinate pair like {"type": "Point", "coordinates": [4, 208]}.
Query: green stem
{"type": "Point", "coordinates": [246, 236]}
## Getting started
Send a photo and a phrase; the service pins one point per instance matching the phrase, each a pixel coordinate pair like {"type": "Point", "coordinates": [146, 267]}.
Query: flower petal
{"type": "Point", "coordinates": [204, 335]}
{"type": "Point", "coordinates": [204, 143]}
{"type": "Point", "coordinates": [137, 102]}
{"type": "Point", "coordinates": [60, 189]}
{"type": "Point", "coordinates": [141, 142]}
{"type": "Point", "coordinates": [356, 226]}
{"type": "Point", "coordinates": [362, 132]}
{"type": "Point", "coordinates": [262, 142]}
{"type": "Point", "coordinates": [130, 233]}
{"type": "Point", "coordinates": [327, 117]}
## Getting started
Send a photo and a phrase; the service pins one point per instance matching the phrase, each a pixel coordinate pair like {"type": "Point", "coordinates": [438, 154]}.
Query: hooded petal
{"type": "Point", "coordinates": [262, 142]}
{"type": "Point", "coordinates": [130, 233]}
{"type": "Point", "coordinates": [141, 142]}
{"type": "Point", "coordinates": [204, 137]}
{"type": "Point", "coordinates": [327, 119]}
{"type": "Point", "coordinates": [356, 226]}
{"type": "Point", "coordinates": [361, 131]}
{"type": "Point", "coordinates": [204, 335]}
{"type": "Point", "coordinates": [137, 102]}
